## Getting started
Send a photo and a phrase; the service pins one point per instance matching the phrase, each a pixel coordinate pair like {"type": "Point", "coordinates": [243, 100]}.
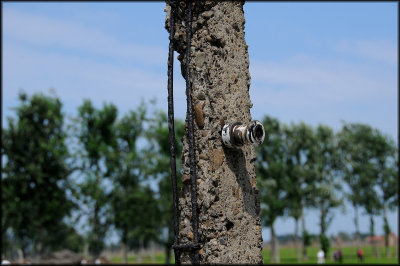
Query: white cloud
{"type": "Point", "coordinates": [41, 52]}
{"type": "Point", "coordinates": [301, 87]}
{"type": "Point", "coordinates": [378, 50]}
{"type": "Point", "coordinates": [326, 91]}
{"type": "Point", "coordinates": [75, 78]}
{"type": "Point", "coordinates": [324, 79]}
{"type": "Point", "coordinates": [45, 32]}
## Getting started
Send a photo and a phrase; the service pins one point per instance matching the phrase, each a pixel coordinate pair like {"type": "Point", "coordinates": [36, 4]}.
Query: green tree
{"type": "Point", "coordinates": [133, 207]}
{"type": "Point", "coordinates": [372, 206]}
{"type": "Point", "coordinates": [293, 209]}
{"type": "Point", "coordinates": [386, 168]}
{"type": "Point", "coordinates": [327, 183]}
{"type": "Point", "coordinates": [35, 177]}
{"type": "Point", "coordinates": [70, 239]}
{"type": "Point", "coordinates": [271, 177]}
{"type": "Point", "coordinates": [356, 144]}
{"type": "Point", "coordinates": [146, 222]}
{"type": "Point", "coordinates": [300, 139]}
{"type": "Point", "coordinates": [159, 168]}
{"type": "Point", "coordinates": [96, 135]}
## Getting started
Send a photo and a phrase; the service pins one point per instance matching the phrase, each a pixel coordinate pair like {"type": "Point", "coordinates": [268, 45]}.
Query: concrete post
{"type": "Point", "coordinates": [228, 201]}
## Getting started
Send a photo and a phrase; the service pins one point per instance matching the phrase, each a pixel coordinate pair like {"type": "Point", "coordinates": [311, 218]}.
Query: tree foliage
{"type": "Point", "coordinates": [134, 207]}
{"type": "Point", "coordinates": [368, 158]}
{"type": "Point", "coordinates": [273, 177]}
{"type": "Point", "coordinates": [35, 174]}
{"type": "Point", "coordinates": [298, 167]}
{"type": "Point", "coordinates": [272, 172]}
{"type": "Point", "coordinates": [159, 167]}
{"type": "Point", "coordinates": [327, 180]}
{"type": "Point", "coordinates": [96, 135]}
{"type": "Point", "coordinates": [300, 140]}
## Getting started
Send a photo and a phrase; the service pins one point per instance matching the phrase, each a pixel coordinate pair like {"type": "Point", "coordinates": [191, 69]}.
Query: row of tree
{"type": "Point", "coordinates": [301, 167]}
{"type": "Point", "coordinates": [89, 171]}
{"type": "Point", "coordinates": [96, 169]}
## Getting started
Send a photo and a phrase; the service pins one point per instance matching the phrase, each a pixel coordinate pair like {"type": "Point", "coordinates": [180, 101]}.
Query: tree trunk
{"type": "Point", "coordinates": [372, 234]}
{"type": "Point", "coordinates": [141, 251]}
{"type": "Point", "coordinates": [124, 253]}
{"type": "Point", "coordinates": [386, 231]}
{"type": "Point", "coordinates": [272, 241]}
{"type": "Point", "coordinates": [303, 225]}
{"type": "Point", "coordinates": [167, 254]}
{"type": "Point", "coordinates": [96, 223]}
{"type": "Point", "coordinates": [356, 225]}
{"type": "Point", "coordinates": [169, 243]}
{"type": "Point", "coordinates": [227, 194]}
{"type": "Point", "coordinates": [153, 252]}
{"type": "Point", "coordinates": [277, 251]}
{"type": "Point", "coordinates": [124, 245]}
{"type": "Point", "coordinates": [86, 249]}
{"type": "Point", "coordinates": [274, 247]}
{"type": "Point", "coordinates": [20, 253]}
{"type": "Point", "coordinates": [139, 254]}
{"type": "Point", "coordinates": [322, 218]}
{"type": "Point", "coordinates": [323, 227]}
{"type": "Point", "coordinates": [296, 238]}
{"type": "Point", "coordinates": [95, 251]}
{"type": "Point", "coordinates": [95, 230]}
{"type": "Point", "coordinates": [38, 246]}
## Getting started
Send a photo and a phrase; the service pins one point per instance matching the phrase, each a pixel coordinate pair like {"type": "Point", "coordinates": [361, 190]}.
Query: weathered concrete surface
{"type": "Point", "coordinates": [228, 202]}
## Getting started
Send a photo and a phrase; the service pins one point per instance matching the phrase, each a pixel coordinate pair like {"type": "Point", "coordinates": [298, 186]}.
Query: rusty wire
{"type": "Point", "coordinates": [194, 247]}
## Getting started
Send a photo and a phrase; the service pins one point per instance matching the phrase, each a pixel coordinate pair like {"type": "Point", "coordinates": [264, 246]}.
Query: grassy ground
{"type": "Point", "coordinates": [288, 256]}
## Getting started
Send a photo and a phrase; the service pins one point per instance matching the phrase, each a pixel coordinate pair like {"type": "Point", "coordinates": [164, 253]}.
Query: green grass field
{"type": "Point", "coordinates": [288, 256]}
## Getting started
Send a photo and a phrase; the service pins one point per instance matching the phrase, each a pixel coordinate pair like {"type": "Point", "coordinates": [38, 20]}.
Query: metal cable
{"type": "Point", "coordinates": [187, 246]}
{"type": "Point", "coordinates": [171, 128]}
{"type": "Point", "coordinates": [171, 136]}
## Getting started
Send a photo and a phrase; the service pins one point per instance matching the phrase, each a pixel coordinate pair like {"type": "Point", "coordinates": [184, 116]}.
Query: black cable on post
{"type": "Point", "coordinates": [194, 246]}
{"type": "Point", "coordinates": [171, 128]}
{"type": "Point", "coordinates": [191, 134]}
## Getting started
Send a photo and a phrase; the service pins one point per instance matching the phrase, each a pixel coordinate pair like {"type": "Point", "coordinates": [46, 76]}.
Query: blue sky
{"type": "Point", "coordinates": [311, 62]}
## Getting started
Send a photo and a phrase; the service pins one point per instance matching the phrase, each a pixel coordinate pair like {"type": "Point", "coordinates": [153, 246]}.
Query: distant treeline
{"type": "Point", "coordinates": [67, 183]}
{"type": "Point", "coordinates": [300, 166]}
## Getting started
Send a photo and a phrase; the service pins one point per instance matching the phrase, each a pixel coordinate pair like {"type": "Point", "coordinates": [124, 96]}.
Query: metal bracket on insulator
{"type": "Point", "coordinates": [235, 135]}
